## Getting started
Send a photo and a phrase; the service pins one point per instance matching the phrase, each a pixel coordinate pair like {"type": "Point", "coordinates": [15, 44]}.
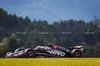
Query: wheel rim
{"type": "Point", "coordinates": [78, 54]}
{"type": "Point", "coordinates": [31, 53]}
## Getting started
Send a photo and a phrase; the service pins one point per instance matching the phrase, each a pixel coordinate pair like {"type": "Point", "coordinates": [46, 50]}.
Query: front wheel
{"type": "Point", "coordinates": [30, 53]}
{"type": "Point", "coordinates": [77, 53]}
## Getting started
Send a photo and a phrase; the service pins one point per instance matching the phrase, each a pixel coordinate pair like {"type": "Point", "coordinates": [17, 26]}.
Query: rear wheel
{"type": "Point", "coordinates": [77, 53]}
{"type": "Point", "coordinates": [30, 53]}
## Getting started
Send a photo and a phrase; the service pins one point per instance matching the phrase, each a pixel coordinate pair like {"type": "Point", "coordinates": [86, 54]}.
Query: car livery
{"type": "Point", "coordinates": [58, 51]}
{"type": "Point", "coordinates": [51, 50]}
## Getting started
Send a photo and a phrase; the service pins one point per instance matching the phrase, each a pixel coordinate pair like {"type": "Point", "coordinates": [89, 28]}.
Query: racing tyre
{"type": "Point", "coordinates": [30, 53]}
{"type": "Point", "coordinates": [77, 53]}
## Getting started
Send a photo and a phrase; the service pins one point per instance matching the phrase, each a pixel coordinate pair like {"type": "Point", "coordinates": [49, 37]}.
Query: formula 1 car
{"type": "Point", "coordinates": [51, 50]}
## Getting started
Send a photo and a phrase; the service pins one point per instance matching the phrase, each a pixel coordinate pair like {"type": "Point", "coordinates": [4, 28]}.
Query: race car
{"type": "Point", "coordinates": [51, 50]}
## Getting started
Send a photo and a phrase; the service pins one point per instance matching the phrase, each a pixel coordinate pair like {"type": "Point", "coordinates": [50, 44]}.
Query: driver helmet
{"type": "Point", "coordinates": [50, 45]}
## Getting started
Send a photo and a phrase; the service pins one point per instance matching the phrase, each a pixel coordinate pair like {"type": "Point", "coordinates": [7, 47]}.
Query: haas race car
{"type": "Point", "coordinates": [51, 50]}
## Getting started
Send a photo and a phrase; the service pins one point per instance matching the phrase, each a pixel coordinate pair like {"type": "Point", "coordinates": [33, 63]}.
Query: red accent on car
{"type": "Point", "coordinates": [19, 55]}
{"type": "Point", "coordinates": [55, 46]}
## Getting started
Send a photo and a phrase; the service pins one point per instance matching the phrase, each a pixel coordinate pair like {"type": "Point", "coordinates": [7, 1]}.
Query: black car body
{"type": "Point", "coordinates": [47, 51]}
{"type": "Point", "coordinates": [58, 51]}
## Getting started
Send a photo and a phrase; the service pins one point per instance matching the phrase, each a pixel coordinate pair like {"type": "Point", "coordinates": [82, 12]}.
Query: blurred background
{"type": "Point", "coordinates": [29, 23]}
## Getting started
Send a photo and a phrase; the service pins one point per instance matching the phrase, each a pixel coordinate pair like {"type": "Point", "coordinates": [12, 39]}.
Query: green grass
{"type": "Point", "coordinates": [49, 61]}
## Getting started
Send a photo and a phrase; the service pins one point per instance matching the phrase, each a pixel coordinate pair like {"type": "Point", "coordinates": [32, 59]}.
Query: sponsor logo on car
{"type": "Point", "coordinates": [56, 52]}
